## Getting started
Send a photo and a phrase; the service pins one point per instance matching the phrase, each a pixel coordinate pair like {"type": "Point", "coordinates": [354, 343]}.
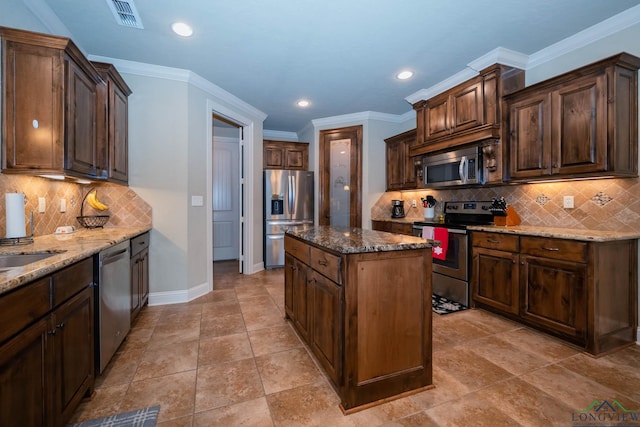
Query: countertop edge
{"type": "Point", "coordinates": [76, 246]}
{"type": "Point", "coordinates": [559, 233]}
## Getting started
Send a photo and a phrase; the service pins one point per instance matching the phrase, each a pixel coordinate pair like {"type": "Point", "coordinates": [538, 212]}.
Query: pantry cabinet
{"type": "Point", "coordinates": [49, 106]}
{"type": "Point", "coordinates": [466, 113]}
{"type": "Point", "coordinates": [285, 155]}
{"type": "Point", "coordinates": [47, 354]}
{"type": "Point", "coordinates": [582, 123]}
{"type": "Point", "coordinates": [400, 168]}
{"type": "Point", "coordinates": [584, 292]}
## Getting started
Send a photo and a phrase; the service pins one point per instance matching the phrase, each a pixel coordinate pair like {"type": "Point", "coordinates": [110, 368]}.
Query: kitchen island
{"type": "Point", "coordinates": [361, 301]}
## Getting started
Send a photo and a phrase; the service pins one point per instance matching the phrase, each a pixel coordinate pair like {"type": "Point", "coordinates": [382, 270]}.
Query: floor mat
{"type": "Point", "coordinates": [441, 305]}
{"type": "Point", "coordinates": [139, 418]}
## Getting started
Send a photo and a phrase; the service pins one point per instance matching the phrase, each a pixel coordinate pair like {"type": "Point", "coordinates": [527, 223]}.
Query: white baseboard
{"type": "Point", "coordinates": [177, 297]}
{"type": "Point", "coordinates": [638, 336]}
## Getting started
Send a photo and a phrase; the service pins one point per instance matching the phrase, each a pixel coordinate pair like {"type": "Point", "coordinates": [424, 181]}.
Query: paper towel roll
{"type": "Point", "coordinates": [15, 214]}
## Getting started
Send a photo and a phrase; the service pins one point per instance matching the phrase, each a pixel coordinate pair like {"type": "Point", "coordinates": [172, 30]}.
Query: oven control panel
{"type": "Point", "coordinates": [468, 208]}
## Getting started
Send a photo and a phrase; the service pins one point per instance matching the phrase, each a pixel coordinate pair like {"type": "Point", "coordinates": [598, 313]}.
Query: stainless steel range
{"type": "Point", "coordinates": [451, 275]}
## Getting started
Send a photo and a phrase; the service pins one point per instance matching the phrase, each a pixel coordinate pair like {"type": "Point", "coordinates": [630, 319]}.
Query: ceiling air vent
{"type": "Point", "coordinates": [126, 13]}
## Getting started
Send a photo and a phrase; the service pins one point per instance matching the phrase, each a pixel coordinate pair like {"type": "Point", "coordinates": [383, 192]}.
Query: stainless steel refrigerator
{"type": "Point", "coordinates": [288, 203]}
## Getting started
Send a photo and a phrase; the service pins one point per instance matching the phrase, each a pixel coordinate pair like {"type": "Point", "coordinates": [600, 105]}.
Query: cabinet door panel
{"type": "Point", "coordinates": [33, 107]}
{"type": "Point", "coordinates": [273, 157]}
{"type": "Point", "coordinates": [580, 139]}
{"type": "Point", "coordinates": [395, 159]}
{"type": "Point", "coordinates": [81, 149]}
{"type": "Point", "coordinates": [118, 130]}
{"type": "Point", "coordinates": [495, 279]}
{"type": "Point", "coordinates": [467, 107]}
{"type": "Point", "coordinates": [26, 378]}
{"type": "Point", "coordinates": [554, 295]}
{"type": "Point", "coordinates": [74, 342]}
{"type": "Point", "coordinates": [300, 297]}
{"type": "Point", "coordinates": [530, 137]}
{"type": "Point", "coordinates": [326, 313]}
{"type": "Point", "coordinates": [437, 117]}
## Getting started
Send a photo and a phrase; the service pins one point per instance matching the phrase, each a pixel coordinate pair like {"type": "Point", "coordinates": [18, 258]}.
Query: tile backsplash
{"type": "Point", "coordinates": [125, 207]}
{"type": "Point", "coordinates": [603, 204]}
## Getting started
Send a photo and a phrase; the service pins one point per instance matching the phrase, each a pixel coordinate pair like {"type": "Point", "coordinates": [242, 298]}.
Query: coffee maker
{"type": "Point", "coordinates": [397, 209]}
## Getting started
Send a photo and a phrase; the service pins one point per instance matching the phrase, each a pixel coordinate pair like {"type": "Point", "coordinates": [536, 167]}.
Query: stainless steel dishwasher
{"type": "Point", "coordinates": [114, 296]}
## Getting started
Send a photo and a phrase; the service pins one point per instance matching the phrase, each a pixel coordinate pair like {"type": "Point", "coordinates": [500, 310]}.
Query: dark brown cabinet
{"type": "Point", "coordinates": [393, 227]}
{"type": "Point", "coordinates": [47, 360]}
{"type": "Point", "coordinates": [50, 105]}
{"type": "Point", "coordinates": [581, 123]}
{"type": "Point", "coordinates": [495, 278]}
{"type": "Point", "coordinates": [285, 155]}
{"type": "Point", "coordinates": [468, 112]}
{"type": "Point", "coordinates": [583, 292]}
{"type": "Point", "coordinates": [113, 127]}
{"type": "Point", "coordinates": [139, 273]}
{"type": "Point", "coordinates": [326, 317]}
{"type": "Point", "coordinates": [348, 309]}
{"type": "Point", "coordinates": [401, 171]}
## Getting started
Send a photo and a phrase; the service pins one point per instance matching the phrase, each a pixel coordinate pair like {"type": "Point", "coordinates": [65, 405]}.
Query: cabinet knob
{"type": "Point", "coordinates": [323, 262]}
{"type": "Point", "coordinates": [51, 332]}
{"type": "Point", "coordinates": [521, 262]}
{"type": "Point", "coordinates": [550, 249]}
{"type": "Point", "coordinates": [60, 325]}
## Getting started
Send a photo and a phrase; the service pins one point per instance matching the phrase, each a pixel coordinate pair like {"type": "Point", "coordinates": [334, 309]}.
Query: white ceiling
{"type": "Point", "coordinates": [342, 55]}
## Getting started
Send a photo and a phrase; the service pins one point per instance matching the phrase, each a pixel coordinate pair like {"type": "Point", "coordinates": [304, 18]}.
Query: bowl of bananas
{"type": "Point", "coordinates": [93, 221]}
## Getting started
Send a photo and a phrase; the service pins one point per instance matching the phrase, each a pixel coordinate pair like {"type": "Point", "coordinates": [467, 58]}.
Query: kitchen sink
{"type": "Point", "coordinates": [18, 260]}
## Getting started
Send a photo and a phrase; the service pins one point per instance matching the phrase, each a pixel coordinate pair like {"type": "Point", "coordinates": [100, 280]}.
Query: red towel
{"type": "Point", "coordinates": [442, 235]}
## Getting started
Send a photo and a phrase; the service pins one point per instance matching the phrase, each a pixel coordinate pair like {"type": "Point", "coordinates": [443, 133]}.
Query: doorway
{"type": "Point", "coordinates": [340, 164]}
{"type": "Point", "coordinates": [226, 194]}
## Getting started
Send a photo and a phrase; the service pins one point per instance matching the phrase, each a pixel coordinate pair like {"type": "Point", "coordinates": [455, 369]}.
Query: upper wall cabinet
{"type": "Point", "coordinates": [285, 155]}
{"type": "Point", "coordinates": [113, 126]}
{"type": "Point", "coordinates": [49, 106]}
{"type": "Point", "coordinates": [401, 171]}
{"type": "Point", "coordinates": [581, 123]}
{"type": "Point", "coordinates": [467, 113]}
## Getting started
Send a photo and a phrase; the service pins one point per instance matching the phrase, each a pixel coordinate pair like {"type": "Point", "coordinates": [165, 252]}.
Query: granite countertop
{"type": "Point", "coordinates": [347, 240]}
{"type": "Point", "coordinates": [559, 233]}
{"type": "Point", "coordinates": [68, 249]}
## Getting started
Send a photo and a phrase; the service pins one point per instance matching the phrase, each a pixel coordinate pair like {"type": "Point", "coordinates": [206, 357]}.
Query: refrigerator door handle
{"type": "Point", "coordinates": [292, 194]}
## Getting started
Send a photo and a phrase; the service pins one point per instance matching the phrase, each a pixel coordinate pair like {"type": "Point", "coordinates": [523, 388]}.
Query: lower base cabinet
{"type": "Point", "coordinates": [139, 273]}
{"type": "Point", "coordinates": [366, 317]}
{"type": "Point", "coordinates": [582, 292]}
{"type": "Point", "coordinates": [48, 367]}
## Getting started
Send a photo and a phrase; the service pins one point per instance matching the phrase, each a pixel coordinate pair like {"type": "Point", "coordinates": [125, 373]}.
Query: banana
{"type": "Point", "coordinates": [92, 199]}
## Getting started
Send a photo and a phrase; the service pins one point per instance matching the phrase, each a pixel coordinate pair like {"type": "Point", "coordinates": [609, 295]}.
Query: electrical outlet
{"type": "Point", "coordinates": [42, 204]}
{"type": "Point", "coordinates": [413, 203]}
{"type": "Point", "coordinates": [568, 202]}
{"type": "Point", "coordinates": [63, 205]}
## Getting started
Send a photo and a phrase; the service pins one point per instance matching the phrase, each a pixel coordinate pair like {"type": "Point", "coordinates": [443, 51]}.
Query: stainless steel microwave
{"type": "Point", "coordinates": [458, 167]}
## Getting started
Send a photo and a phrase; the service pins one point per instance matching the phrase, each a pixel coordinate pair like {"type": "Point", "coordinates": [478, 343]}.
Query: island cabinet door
{"type": "Point", "coordinates": [326, 300]}
{"type": "Point", "coordinates": [388, 322]}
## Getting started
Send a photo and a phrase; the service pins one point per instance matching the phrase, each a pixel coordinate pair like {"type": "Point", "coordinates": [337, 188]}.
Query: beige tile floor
{"type": "Point", "coordinates": [229, 358]}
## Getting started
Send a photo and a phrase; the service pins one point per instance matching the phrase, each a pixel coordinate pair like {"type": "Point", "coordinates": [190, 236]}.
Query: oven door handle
{"type": "Point", "coordinates": [451, 230]}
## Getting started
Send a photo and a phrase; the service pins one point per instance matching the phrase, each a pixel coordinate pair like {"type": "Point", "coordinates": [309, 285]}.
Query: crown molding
{"type": "Point", "coordinates": [446, 84]}
{"type": "Point", "coordinates": [361, 117]}
{"type": "Point", "coordinates": [280, 135]}
{"type": "Point", "coordinates": [182, 75]}
{"type": "Point", "coordinates": [599, 31]}
{"type": "Point", "coordinates": [500, 55]}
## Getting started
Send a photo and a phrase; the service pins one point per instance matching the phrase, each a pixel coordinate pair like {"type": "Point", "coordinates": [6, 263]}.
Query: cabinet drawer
{"type": "Point", "coordinates": [20, 308]}
{"type": "Point", "coordinates": [139, 243]}
{"type": "Point", "coordinates": [297, 249]}
{"type": "Point", "coordinates": [399, 228]}
{"type": "Point", "coordinates": [502, 242]}
{"type": "Point", "coordinates": [71, 280]}
{"type": "Point", "coordinates": [326, 264]}
{"type": "Point", "coordinates": [569, 250]}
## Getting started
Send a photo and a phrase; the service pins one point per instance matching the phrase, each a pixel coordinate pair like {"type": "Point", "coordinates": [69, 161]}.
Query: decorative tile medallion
{"type": "Point", "coordinates": [601, 199]}
{"type": "Point", "coordinates": [542, 200]}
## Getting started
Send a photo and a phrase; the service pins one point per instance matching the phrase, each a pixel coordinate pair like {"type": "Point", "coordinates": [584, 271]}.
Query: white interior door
{"type": "Point", "coordinates": [226, 206]}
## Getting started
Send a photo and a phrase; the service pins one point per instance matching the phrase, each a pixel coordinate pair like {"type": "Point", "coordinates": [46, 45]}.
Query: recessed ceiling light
{"type": "Point", "coordinates": [182, 29]}
{"type": "Point", "coordinates": [404, 75]}
{"type": "Point", "coordinates": [303, 103]}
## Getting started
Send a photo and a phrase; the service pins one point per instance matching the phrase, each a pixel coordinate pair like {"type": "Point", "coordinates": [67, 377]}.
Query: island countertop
{"type": "Point", "coordinates": [347, 240]}
{"type": "Point", "coordinates": [67, 249]}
